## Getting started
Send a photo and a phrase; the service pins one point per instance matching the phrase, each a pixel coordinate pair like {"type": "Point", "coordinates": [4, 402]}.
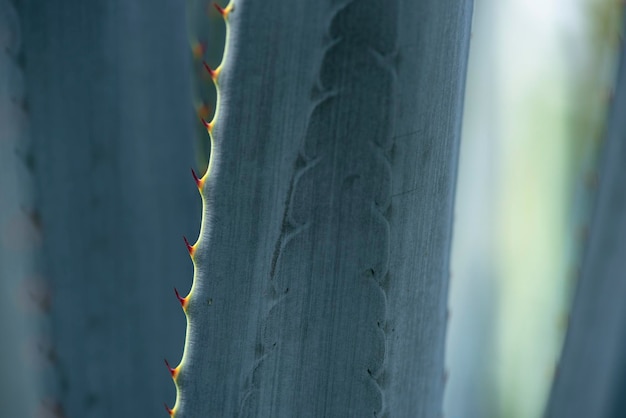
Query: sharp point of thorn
{"type": "Point", "coordinates": [198, 48]}
{"type": "Point", "coordinates": [182, 300]}
{"type": "Point", "coordinates": [169, 411]}
{"type": "Point", "coordinates": [171, 369]}
{"type": "Point", "coordinates": [203, 110]}
{"type": "Point", "coordinates": [196, 179]}
{"type": "Point", "coordinates": [212, 73]}
{"type": "Point", "coordinates": [224, 11]}
{"type": "Point", "coordinates": [189, 246]}
{"type": "Point", "coordinates": [207, 125]}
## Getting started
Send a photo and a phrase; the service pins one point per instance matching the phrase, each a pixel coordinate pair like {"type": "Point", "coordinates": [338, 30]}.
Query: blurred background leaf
{"type": "Point", "coordinates": [539, 84]}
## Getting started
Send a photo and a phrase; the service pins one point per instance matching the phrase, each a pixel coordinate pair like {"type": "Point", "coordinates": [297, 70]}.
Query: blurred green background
{"type": "Point", "coordinates": [539, 84]}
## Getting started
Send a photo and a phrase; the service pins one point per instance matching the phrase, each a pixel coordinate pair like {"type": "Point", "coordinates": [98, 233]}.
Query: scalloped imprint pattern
{"type": "Point", "coordinates": [325, 324]}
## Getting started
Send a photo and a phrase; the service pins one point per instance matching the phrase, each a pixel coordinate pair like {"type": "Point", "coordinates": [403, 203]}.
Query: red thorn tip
{"type": "Point", "coordinates": [189, 246]}
{"type": "Point", "coordinates": [182, 300]}
{"type": "Point", "coordinates": [220, 9]}
{"type": "Point", "coordinates": [207, 125]}
{"type": "Point", "coordinates": [196, 179]}
{"type": "Point", "coordinates": [213, 73]}
{"type": "Point", "coordinates": [169, 411]}
{"type": "Point", "coordinates": [171, 369]}
{"type": "Point", "coordinates": [198, 49]}
{"type": "Point", "coordinates": [203, 110]}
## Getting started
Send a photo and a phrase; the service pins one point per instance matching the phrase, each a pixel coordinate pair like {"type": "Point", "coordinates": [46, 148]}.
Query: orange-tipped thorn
{"type": "Point", "coordinates": [224, 11]}
{"type": "Point", "coordinates": [203, 111]}
{"type": "Point", "coordinates": [198, 49]}
{"type": "Point", "coordinates": [219, 9]}
{"type": "Point", "coordinates": [169, 411]}
{"type": "Point", "coordinates": [199, 181]}
{"type": "Point", "coordinates": [213, 73]}
{"type": "Point", "coordinates": [190, 247]}
{"type": "Point", "coordinates": [173, 371]}
{"type": "Point", "coordinates": [182, 300]}
{"type": "Point", "coordinates": [207, 125]}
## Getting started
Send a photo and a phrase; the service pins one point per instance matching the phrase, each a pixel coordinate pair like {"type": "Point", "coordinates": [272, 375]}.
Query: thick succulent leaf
{"type": "Point", "coordinates": [108, 88]}
{"type": "Point", "coordinates": [591, 379]}
{"type": "Point", "coordinates": [321, 268]}
{"type": "Point", "coordinates": [23, 296]}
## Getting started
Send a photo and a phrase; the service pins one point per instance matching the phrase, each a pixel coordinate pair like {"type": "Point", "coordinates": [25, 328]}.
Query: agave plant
{"type": "Point", "coordinates": [320, 271]}
{"type": "Point", "coordinates": [321, 265]}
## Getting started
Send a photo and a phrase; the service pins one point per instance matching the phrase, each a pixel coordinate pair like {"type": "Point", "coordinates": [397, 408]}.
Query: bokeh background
{"type": "Point", "coordinates": [540, 81]}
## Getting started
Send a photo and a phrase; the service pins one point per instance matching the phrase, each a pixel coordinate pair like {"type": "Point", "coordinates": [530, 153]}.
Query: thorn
{"type": "Point", "coordinates": [207, 125]}
{"type": "Point", "coordinates": [198, 181]}
{"type": "Point", "coordinates": [182, 300]}
{"type": "Point", "coordinates": [190, 247]}
{"type": "Point", "coordinates": [198, 49]}
{"type": "Point", "coordinates": [219, 9]}
{"type": "Point", "coordinates": [213, 73]}
{"type": "Point", "coordinates": [173, 371]}
{"type": "Point", "coordinates": [169, 411]}
{"type": "Point", "coordinates": [203, 111]}
{"type": "Point", "coordinates": [224, 11]}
